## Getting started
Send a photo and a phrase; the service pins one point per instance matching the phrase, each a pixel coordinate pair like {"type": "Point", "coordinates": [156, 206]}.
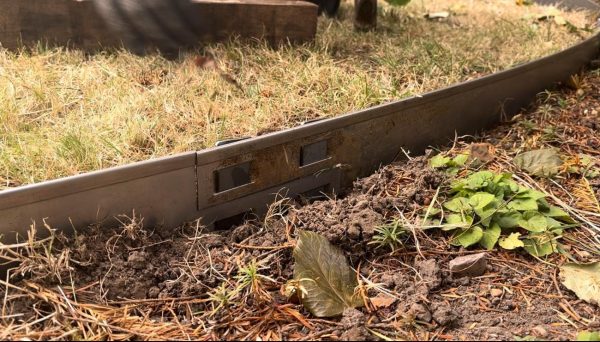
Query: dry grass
{"type": "Point", "coordinates": [64, 112]}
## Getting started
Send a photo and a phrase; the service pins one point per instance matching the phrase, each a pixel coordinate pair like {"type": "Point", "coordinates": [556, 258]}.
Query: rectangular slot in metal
{"type": "Point", "coordinates": [232, 177]}
{"type": "Point", "coordinates": [235, 220]}
{"type": "Point", "coordinates": [312, 153]}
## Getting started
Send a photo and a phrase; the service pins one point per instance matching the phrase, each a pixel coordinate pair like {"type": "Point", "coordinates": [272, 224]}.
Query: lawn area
{"type": "Point", "coordinates": [63, 112]}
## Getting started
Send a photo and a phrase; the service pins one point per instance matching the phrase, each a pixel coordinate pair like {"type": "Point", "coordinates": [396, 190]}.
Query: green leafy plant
{"type": "Point", "coordinates": [249, 277]}
{"type": "Point", "coordinates": [488, 209]}
{"type": "Point", "coordinates": [389, 235]}
{"type": "Point", "coordinates": [221, 297]}
{"type": "Point", "coordinates": [452, 165]}
{"type": "Point", "coordinates": [398, 2]}
{"type": "Point", "coordinates": [588, 336]}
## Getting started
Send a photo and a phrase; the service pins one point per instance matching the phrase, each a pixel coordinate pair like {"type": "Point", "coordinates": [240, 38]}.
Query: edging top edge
{"type": "Point", "coordinates": [37, 192]}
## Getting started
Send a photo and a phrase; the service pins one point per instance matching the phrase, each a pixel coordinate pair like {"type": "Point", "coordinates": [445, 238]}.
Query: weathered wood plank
{"type": "Point", "coordinates": [88, 30]}
{"type": "Point", "coordinates": [76, 23]}
{"type": "Point", "coordinates": [274, 20]}
{"type": "Point", "coordinates": [10, 24]}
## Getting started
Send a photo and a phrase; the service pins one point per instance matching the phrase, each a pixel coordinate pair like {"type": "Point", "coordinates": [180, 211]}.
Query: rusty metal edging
{"type": "Point", "coordinates": [222, 183]}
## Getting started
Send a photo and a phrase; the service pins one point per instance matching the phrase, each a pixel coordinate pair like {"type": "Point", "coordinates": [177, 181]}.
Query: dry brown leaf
{"type": "Point", "coordinates": [382, 301]}
{"type": "Point", "coordinates": [205, 62]}
{"type": "Point", "coordinates": [482, 151]}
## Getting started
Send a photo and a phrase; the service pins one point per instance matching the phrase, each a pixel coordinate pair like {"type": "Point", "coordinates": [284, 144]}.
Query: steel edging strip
{"type": "Point", "coordinates": [181, 194]}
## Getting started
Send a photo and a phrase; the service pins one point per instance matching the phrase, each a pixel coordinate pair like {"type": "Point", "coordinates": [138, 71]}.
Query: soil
{"type": "Point", "coordinates": [174, 275]}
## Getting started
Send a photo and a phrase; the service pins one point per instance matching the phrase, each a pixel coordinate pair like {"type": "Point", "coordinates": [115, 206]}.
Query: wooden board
{"type": "Point", "coordinates": [76, 23]}
{"type": "Point", "coordinates": [274, 20]}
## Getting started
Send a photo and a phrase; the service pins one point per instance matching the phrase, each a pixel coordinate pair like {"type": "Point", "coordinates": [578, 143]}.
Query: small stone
{"type": "Point", "coordinates": [580, 92]}
{"type": "Point", "coordinates": [496, 292]}
{"type": "Point", "coordinates": [472, 265]}
{"type": "Point", "coordinates": [539, 331]}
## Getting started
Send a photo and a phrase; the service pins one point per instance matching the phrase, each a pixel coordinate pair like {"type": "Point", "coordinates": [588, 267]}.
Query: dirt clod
{"type": "Point", "coordinates": [353, 322]}
{"type": "Point", "coordinates": [443, 314]}
{"type": "Point", "coordinates": [539, 331]}
{"type": "Point", "coordinates": [420, 312]}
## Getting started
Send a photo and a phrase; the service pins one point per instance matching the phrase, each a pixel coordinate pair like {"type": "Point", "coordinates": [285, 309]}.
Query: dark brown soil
{"type": "Point", "coordinates": [517, 296]}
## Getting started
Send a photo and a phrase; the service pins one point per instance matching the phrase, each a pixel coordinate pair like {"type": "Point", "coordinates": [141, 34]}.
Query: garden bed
{"type": "Point", "coordinates": [148, 283]}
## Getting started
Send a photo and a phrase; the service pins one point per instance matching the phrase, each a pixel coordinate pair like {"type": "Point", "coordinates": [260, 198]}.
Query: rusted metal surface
{"type": "Point", "coordinates": [222, 183]}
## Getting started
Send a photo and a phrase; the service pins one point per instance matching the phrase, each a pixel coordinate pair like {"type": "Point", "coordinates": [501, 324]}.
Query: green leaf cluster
{"type": "Point", "coordinates": [588, 336]}
{"type": "Point", "coordinates": [488, 209]}
{"type": "Point", "coordinates": [452, 165]}
{"type": "Point", "coordinates": [398, 2]}
{"type": "Point", "coordinates": [389, 235]}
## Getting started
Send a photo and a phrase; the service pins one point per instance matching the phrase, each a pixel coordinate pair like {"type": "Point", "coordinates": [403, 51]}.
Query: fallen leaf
{"type": "Point", "coordinates": [326, 279]}
{"type": "Point", "coordinates": [524, 2]}
{"type": "Point", "coordinates": [205, 62]}
{"type": "Point", "coordinates": [542, 163]}
{"type": "Point", "coordinates": [483, 152]}
{"type": "Point", "coordinates": [382, 301]}
{"type": "Point", "coordinates": [583, 279]}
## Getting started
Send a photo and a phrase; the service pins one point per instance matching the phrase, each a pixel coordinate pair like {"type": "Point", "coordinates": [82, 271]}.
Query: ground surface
{"type": "Point", "coordinates": [64, 112]}
{"type": "Point", "coordinates": [136, 282]}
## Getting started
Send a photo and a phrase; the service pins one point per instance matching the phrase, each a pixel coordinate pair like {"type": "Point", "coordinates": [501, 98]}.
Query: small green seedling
{"type": "Point", "coordinates": [221, 297]}
{"type": "Point", "coordinates": [389, 235]}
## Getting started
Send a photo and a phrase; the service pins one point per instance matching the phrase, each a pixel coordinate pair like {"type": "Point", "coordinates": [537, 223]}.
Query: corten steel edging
{"type": "Point", "coordinates": [175, 189]}
{"type": "Point", "coordinates": [362, 141]}
{"type": "Point", "coordinates": [163, 191]}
